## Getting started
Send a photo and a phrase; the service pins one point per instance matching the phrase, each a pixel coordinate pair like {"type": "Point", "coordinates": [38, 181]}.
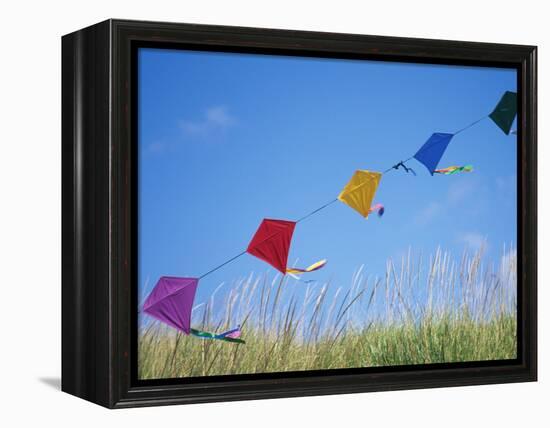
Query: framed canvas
{"type": "Point", "coordinates": [253, 213]}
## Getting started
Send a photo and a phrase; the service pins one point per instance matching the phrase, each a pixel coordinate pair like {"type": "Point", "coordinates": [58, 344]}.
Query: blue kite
{"type": "Point", "coordinates": [431, 152]}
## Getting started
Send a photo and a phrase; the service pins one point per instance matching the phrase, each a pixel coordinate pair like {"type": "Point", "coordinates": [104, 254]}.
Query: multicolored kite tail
{"type": "Point", "coordinates": [379, 208]}
{"type": "Point", "coordinates": [454, 169]}
{"type": "Point", "coordinates": [313, 267]}
{"type": "Point", "coordinates": [232, 335]}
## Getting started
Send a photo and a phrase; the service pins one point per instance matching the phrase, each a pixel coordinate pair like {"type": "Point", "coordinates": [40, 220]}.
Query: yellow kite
{"type": "Point", "coordinates": [360, 190]}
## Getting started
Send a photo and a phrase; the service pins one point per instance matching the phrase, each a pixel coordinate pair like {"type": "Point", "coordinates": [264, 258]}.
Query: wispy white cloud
{"type": "Point", "coordinates": [428, 213]}
{"type": "Point", "coordinates": [219, 116]}
{"type": "Point", "coordinates": [460, 190]}
{"type": "Point", "coordinates": [460, 193]}
{"type": "Point", "coordinates": [215, 118]}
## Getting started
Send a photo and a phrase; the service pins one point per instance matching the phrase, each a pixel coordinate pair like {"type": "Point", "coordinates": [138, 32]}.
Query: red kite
{"type": "Point", "coordinates": [271, 243]}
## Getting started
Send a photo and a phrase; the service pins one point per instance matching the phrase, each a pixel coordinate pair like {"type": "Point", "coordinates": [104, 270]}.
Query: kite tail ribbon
{"type": "Point", "coordinates": [313, 267]}
{"type": "Point", "coordinates": [232, 335]}
{"type": "Point", "coordinates": [379, 208]}
{"type": "Point", "coordinates": [454, 169]}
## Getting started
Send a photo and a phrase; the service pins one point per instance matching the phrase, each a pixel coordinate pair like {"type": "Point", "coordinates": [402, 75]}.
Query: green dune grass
{"type": "Point", "coordinates": [421, 312]}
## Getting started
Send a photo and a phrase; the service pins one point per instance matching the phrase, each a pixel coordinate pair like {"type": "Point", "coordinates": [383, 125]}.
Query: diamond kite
{"type": "Point", "coordinates": [431, 152]}
{"type": "Point", "coordinates": [171, 302]}
{"type": "Point", "coordinates": [360, 190]}
{"type": "Point", "coordinates": [271, 243]}
{"type": "Point", "coordinates": [505, 111]}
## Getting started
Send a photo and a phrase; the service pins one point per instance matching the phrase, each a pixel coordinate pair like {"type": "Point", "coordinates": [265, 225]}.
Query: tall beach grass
{"type": "Point", "coordinates": [423, 310]}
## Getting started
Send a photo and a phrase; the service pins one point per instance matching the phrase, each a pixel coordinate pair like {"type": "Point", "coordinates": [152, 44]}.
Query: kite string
{"type": "Point", "coordinates": [470, 125]}
{"type": "Point", "coordinates": [456, 133]}
{"type": "Point", "coordinates": [269, 237]}
{"type": "Point", "coordinates": [222, 265]}
{"type": "Point", "coordinates": [336, 199]}
{"type": "Point", "coordinates": [316, 210]}
{"type": "Point", "coordinates": [397, 165]}
{"type": "Point", "coordinates": [237, 256]}
{"type": "Point", "coordinates": [322, 207]}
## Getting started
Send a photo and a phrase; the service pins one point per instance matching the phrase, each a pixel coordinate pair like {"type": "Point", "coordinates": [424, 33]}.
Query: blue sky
{"type": "Point", "coordinates": [228, 139]}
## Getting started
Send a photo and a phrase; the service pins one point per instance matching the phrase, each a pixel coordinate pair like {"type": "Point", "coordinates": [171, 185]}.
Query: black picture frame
{"type": "Point", "coordinates": [99, 207]}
